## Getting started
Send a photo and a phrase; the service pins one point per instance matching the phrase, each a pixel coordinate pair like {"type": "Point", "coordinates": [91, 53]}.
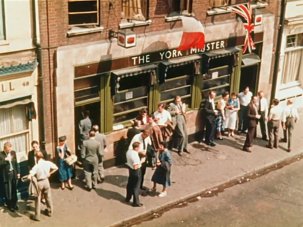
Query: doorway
{"type": "Point", "coordinates": [94, 110]}
{"type": "Point", "coordinates": [250, 78]}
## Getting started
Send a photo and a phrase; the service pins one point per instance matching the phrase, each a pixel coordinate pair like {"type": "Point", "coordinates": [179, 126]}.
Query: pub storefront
{"type": "Point", "coordinates": [120, 83]}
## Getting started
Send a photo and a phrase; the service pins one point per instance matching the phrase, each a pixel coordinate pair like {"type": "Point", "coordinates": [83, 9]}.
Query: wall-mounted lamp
{"type": "Point", "coordinates": [125, 38]}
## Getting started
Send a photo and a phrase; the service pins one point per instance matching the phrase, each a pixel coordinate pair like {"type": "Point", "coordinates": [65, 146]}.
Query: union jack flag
{"type": "Point", "coordinates": [245, 11]}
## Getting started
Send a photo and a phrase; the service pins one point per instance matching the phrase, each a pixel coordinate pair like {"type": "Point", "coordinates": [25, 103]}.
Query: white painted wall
{"type": "Point", "coordinates": [18, 26]}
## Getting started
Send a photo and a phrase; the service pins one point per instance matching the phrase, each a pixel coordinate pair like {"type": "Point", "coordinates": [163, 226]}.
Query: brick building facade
{"type": "Point", "coordinates": [83, 66]}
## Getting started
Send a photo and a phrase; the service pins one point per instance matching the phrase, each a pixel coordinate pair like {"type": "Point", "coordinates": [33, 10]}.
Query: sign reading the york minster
{"type": "Point", "coordinates": [168, 54]}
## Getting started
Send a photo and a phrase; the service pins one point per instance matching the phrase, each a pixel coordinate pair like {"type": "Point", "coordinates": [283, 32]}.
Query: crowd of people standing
{"type": "Point", "coordinates": [244, 112]}
{"type": "Point", "coordinates": [149, 143]}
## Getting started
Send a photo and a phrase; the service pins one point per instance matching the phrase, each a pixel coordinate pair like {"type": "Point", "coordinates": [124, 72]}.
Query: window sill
{"type": "Point", "coordinates": [227, 9]}
{"type": "Point", "coordinates": [290, 85]}
{"type": "Point", "coordinates": [75, 31]}
{"type": "Point", "coordinates": [4, 43]}
{"type": "Point", "coordinates": [134, 23]}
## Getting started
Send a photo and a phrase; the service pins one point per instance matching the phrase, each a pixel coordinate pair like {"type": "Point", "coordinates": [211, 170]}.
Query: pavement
{"type": "Point", "coordinates": [204, 172]}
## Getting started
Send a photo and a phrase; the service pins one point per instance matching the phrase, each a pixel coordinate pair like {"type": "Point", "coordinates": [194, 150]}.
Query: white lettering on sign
{"type": "Point", "coordinates": [168, 54]}
{"type": "Point", "coordinates": [139, 60]}
{"type": "Point", "coordinates": [215, 45]}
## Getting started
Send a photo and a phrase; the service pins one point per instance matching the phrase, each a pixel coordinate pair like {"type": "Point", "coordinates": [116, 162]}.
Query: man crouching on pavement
{"type": "Point", "coordinates": [42, 171]}
{"type": "Point", "coordinates": [134, 179]}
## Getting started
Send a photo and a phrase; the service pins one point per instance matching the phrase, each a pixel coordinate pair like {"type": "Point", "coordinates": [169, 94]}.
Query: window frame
{"type": "Point", "coordinates": [79, 13]}
{"type": "Point", "coordinates": [143, 10]}
{"type": "Point", "coordinates": [2, 16]}
{"type": "Point", "coordinates": [188, 10]}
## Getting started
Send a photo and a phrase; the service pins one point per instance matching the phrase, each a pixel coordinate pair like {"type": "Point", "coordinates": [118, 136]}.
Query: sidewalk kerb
{"type": "Point", "coordinates": [208, 192]}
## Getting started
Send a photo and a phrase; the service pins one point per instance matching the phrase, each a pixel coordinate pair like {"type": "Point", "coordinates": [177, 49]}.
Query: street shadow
{"type": "Point", "coordinates": [117, 180]}
{"type": "Point", "coordinates": [110, 195]}
{"type": "Point", "coordinates": [201, 146]}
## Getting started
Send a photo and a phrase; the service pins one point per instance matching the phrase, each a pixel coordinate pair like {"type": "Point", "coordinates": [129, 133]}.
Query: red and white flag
{"type": "Point", "coordinates": [193, 34]}
{"type": "Point", "coordinates": [246, 12]}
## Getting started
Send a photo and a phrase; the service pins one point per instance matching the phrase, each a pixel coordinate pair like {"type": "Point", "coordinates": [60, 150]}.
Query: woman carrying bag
{"type": "Point", "coordinates": [65, 170]}
{"type": "Point", "coordinates": [162, 172]}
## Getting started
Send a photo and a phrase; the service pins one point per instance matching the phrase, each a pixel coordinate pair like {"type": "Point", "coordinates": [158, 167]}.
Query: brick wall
{"type": "Point", "coordinates": [53, 30]}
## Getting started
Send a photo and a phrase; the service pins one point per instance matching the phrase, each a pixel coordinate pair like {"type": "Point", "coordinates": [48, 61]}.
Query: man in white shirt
{"type": "Point", "coordinates": [273, 124]}
{"type": "Point", "coordinates": [164, 121]}
{"type": "Point", "coordinates": [289, 118]}
{"type": "Point", "coordinates": [42, 170]}
{"type": "Point", "coordinates": [263, 111]}
{"type": "Point", "coordinates": [245, 98]}
{"type": "Point", "coordinates": [134, 179]}
{"type": "Point", "coordinates": [144, 141]}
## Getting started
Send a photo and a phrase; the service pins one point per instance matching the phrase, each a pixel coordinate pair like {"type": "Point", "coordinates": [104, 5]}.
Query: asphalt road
{"type": "Point", "coordinates": [275, 199]}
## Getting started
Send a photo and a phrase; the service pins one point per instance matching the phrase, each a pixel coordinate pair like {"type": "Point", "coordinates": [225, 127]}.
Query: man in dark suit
{"type": "Point", "coordinates": [91, 153]}
{"type": "Point", "coordinates": [210, 114]}
{"type": "Point", "coordinates": [253, 117]}
{"type": "Point", "coordinates": [31, 156]}
{"type": "Point", "coordinates": [9, 173]}
{"type": "Point", "coordinates": [85, 126]}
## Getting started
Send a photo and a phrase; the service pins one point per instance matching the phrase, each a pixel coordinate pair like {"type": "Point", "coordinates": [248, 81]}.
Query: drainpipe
{"type": "Point", "coordinates": [278, 48]}
{"type": "Point", "coordinates": [36, 42]}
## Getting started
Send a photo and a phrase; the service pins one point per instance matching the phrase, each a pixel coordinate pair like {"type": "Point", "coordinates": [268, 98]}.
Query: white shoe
{"type": "Point", "coordinates": [163, 194]}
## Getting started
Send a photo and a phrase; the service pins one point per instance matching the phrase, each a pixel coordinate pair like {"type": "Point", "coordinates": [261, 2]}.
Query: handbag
{"type": "Point", "coordinates": [70, 160]}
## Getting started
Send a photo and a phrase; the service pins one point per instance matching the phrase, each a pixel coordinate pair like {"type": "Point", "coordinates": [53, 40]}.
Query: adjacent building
{"type": "Point", "coordinates": [115, 57]}
{"type": "Point", "coordinates": [18, 76]}
{"type": "Point", "coordinates": [289, 76]}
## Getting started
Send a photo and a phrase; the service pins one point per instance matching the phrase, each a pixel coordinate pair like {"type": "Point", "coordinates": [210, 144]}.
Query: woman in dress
{"type": "Point", "coordinates": [220, 120]}
{"type": "Point", "coordinates": [232, 108]}
{"type": "Point", "coordinates": [162, 172]}
{"type": "Point", "coordinates": [65, 171]}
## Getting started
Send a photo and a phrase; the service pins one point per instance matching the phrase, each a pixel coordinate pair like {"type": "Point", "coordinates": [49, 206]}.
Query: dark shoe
{"type": "Point", "coordinates": [212, 144]}
{"type": "Point", "coordinates": [265, 139]}
{"type": "Point", "coordinates": [101, 180]}
{"type": "Point", "coordinates": [62, 188]}
{"type": "Point", "coordinates": [185, 150]}
{"type": "Point", "coordinates": [282, 140]}
{"type": "Point", "coordinates": [70, 187]}
{"type": "Point", "coordinates": [127, 200]}
{"type": "Point", "coordinates": [137, 205]}
{"type": "Point", "coordinates": [276, 147]}
{"type": "Point", "coordinates": [12, 209]}
{"type": "Point", "coordinates": [47, 212]}
{"type": "Point", "coordinates": [268, 146]}
{"type": "Point", "coordinates": [247, 149]}
{"type": "Point", "coordinates": [88, 189]}
{"type": "Point", "coordinates": [33, 217]}
{"type": "Point", "coordinates": [16, 207]}
{"type": "Point", "coordinates": [180, 153]}
{"type": "Point", "coordinates": [288, 150]}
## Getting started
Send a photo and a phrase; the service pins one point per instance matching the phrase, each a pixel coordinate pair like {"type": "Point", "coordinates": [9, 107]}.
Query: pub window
{"type": "Point", "coordinates": [177, 7]}
{"type": "Point", "coordinates": [218, 76]}
{"type": "Point", "coordinates": [135, 10]}
{"type": "Point", "coordinates": [2, 20]}
{"type": "Point", "coordinates": [293, 69]}
{"type": "Point", "coordinates": [131, 96]}
{"type": "Point", "coordinates": [178, 81]}
{"type": "Point", "coordinates": [83, 12]}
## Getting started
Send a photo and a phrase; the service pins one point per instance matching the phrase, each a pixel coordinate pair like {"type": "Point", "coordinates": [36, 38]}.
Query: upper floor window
{"type": "Point", "coordinates": [135, 10]}
{"type": "Point", "coordinates": [177, 7]}
{"type": "Point", "coordinates": [2, 26]}
{"type": "Point", "coordinates": [83, 12]}
{"type": "Point", "coordinates": [220, 3]}
{"type": "Point", "coordinates": [294, 40]}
